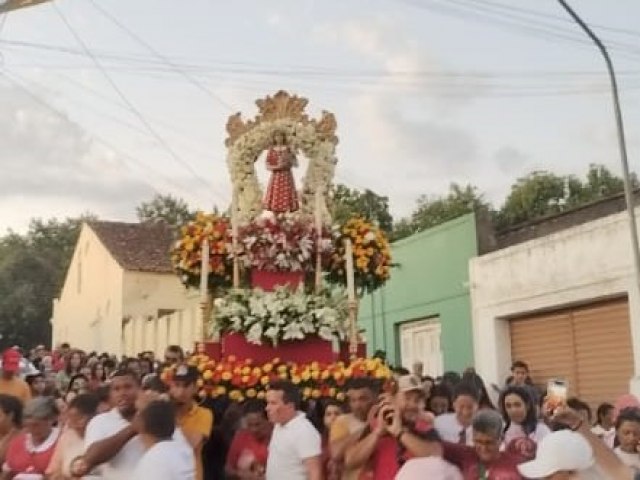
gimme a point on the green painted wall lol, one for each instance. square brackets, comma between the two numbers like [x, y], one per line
[430, 281]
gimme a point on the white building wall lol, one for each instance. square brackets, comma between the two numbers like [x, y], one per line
[146, 296]
[104, 308]
[577, 265]
[88, 313]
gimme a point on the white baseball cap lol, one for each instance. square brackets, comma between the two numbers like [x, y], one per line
[431, 467]
[559, 451]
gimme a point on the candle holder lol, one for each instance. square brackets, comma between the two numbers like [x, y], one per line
[353, 329]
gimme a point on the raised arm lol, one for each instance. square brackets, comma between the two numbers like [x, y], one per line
[606, 459]
[102, 451]
[417, 446]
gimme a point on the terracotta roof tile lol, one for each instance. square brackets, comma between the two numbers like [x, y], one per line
[142, 247]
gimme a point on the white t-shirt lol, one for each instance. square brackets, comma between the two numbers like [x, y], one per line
[449, 429]
[290, 445]
[105, 425]
[121, 466]
[166, 460]
[515, 431]
[629, 459]
[607, 436]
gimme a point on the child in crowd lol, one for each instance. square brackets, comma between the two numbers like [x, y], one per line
[605, 427]
[628, 437]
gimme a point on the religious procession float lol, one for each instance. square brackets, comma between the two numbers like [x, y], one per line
[279, 280]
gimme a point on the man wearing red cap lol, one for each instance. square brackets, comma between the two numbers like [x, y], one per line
[10, 383]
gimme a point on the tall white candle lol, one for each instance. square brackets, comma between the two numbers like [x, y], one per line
[234, 239]
[348, 256]
[204, 271]
[318, 213]
[234, 217]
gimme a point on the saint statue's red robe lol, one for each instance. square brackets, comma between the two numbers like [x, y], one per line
[281, 193]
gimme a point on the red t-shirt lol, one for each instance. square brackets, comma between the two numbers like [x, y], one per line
[466, 458]
[24, 458]
[245, 444]
[384, 462]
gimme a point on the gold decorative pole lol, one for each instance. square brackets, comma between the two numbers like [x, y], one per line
[234, 239]
[351, 295]
[204, 288]
[318, 222]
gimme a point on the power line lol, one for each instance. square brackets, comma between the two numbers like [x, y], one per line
[129, 104]
[35, 97]
[161, 57]
[102, 115]
[536, 13]
[248, 68]
[435, 88]
[514, 22]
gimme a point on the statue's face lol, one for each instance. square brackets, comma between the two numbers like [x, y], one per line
[279, 138]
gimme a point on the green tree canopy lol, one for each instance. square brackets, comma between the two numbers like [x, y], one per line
[543, 193]
[167, 208]
[347, 202]
[435, 210]
[32, 270]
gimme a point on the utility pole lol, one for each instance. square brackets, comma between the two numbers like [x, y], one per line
[9, 5]
[622, 145]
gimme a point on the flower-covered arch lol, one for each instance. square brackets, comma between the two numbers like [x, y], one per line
[316, 139]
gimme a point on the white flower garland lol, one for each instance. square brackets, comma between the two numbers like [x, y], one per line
[283, 315]
[244, 152]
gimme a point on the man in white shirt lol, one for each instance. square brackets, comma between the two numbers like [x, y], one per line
[112, 444]
[165, 458]
[111, 441]
[295, 448]
[456, 427]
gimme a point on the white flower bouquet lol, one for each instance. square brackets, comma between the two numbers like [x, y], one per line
[283, 315]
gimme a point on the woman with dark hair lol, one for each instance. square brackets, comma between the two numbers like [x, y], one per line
[520, 416]
[330, 410]
[248, 452]
[605, 427]
[72, 365]
[439, 402]
[470, 377]
[98, 376]
[10, 422]
[78, 384]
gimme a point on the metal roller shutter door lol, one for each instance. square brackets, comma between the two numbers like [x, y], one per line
[590, 346]
[604, 355]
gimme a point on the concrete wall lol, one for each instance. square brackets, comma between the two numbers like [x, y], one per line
[88, 313]
[578, 265]
[431, 281]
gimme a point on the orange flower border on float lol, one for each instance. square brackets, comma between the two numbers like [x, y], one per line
[242, 379]
[371, 255]
[186, 254]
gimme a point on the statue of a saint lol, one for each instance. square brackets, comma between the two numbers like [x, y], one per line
[281, 193]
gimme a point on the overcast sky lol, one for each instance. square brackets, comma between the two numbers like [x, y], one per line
[425, 92]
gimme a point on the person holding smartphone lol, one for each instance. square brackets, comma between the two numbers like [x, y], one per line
[398, 429]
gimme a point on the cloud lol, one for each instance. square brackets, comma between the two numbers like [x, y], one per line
[45, 157]
[510, 160]
[423, 145]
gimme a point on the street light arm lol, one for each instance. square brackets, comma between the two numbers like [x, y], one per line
[622, 145]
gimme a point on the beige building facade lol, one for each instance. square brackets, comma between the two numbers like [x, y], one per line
[121, 295]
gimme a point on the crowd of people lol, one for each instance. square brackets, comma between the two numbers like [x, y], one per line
[68, 414]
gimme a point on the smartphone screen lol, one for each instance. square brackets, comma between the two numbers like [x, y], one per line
[557, 390]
